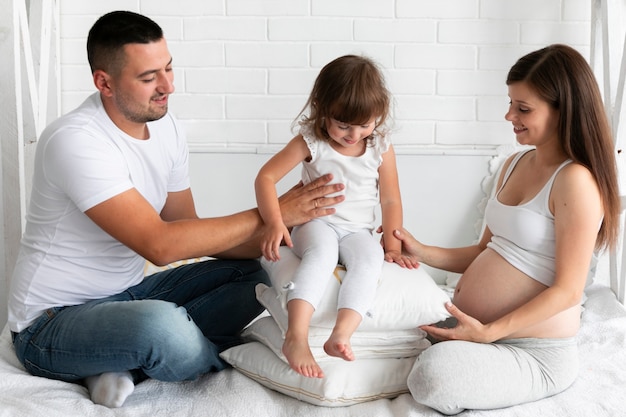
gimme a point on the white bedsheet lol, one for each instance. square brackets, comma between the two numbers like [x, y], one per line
[600, 389]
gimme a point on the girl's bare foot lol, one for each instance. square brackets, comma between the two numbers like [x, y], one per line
[301, 359]
[337, 346]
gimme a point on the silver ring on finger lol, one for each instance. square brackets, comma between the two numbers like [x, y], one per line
[315, 203]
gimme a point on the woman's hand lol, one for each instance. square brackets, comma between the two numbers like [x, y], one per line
[467, 328]
[411, 246]
[411, 249]
[303, 203]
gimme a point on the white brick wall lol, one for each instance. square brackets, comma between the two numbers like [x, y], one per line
[244, 68]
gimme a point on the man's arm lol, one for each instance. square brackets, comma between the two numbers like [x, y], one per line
[172, 236]
[178, 206]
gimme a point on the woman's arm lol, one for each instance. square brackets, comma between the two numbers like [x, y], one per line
[448, 259]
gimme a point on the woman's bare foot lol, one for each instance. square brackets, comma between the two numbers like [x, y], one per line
[339, 347]
[301, 359]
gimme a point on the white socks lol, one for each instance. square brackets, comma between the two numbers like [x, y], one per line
[110, 388]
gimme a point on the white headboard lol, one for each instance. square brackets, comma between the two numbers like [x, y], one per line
[441, 191]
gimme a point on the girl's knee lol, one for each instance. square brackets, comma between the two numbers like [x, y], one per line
[363, 263]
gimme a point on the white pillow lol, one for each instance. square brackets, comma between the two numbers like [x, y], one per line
[149, 268]
[345, 383]
[405, 298]
[393, 344]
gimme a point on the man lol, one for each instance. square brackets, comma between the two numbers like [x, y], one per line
[111, 189]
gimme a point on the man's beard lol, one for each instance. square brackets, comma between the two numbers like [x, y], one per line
[132, 113]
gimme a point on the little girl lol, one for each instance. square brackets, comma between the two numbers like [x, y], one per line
[344, 134]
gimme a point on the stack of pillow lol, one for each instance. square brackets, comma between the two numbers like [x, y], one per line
[385, 345]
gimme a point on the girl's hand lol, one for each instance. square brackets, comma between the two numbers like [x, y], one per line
[405, 261]
[467, 328]
[272, 239]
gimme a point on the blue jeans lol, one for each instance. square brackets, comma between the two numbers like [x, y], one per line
[170, 327]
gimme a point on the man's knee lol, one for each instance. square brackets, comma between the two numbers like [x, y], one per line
[159, 321]
[176, 348]
[261, 277]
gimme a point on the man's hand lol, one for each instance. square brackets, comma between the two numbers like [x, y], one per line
[307, 202]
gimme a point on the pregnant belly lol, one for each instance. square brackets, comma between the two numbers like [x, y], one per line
[490, 288]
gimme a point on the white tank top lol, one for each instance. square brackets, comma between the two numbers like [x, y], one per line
[359, 174]
[524, 235]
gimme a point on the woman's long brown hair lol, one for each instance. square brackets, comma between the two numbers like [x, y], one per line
[564, 79]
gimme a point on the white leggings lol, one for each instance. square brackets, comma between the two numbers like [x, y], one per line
[457, 375]
[320, 246]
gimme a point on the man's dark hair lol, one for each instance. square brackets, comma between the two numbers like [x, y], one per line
[111, 32]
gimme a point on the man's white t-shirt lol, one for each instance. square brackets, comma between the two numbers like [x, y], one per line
[83, 159]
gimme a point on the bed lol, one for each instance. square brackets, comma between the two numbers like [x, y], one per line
[600, 389]
[260, 383]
